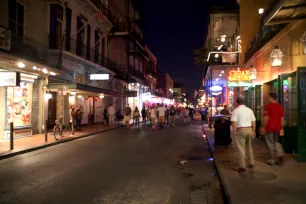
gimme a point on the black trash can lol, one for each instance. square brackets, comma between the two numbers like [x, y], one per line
[222, 125]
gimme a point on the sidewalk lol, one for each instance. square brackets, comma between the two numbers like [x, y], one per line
[264, 183]
[35, 142]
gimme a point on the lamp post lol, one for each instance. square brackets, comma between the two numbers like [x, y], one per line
[276, 57]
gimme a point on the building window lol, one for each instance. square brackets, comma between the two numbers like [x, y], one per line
[56, 26]
[98, 44]
[16, 19]
[83, 37]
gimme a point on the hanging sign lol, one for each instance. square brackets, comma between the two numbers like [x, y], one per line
[10, 79]
[99, 76]
[239, 75]
[216, 90]
[229, 58]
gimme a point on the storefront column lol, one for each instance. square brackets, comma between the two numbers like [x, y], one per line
[2, 112]
[44, 108]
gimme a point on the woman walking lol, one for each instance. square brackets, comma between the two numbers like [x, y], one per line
[144, 114]
[148, 111]
[136, 116]
[153, 117]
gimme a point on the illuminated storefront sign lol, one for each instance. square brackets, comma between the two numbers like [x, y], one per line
[10, 79]
[239, 75]
[238, 84]
[99, 76]
[216, 90]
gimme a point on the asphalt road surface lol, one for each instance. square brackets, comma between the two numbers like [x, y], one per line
[135, 166]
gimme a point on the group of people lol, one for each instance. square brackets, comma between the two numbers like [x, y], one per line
[244, 128]
[158, 115]
[76, 114]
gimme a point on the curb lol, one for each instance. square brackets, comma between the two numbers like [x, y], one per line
[32, 149]
[221, 176]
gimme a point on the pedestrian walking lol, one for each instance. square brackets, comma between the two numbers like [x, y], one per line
[153, 117]
[136, 116]
[78, 117]
[244, 126]
[71, 116]
[167, 115]
[211, 112]
[186, 113]
[144, 114]
[225, 111]
[273, 128]
[161, 115]
[148, 114]
[172, 115]
[127, 116]
[111, 114]
[105, 114]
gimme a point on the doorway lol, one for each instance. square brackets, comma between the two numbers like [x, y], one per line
[91, 110]
[52, 110]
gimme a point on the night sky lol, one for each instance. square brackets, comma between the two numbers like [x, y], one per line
[173, 29]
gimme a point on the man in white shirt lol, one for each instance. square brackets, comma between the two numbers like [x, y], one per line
[211, 112]
[161, 115]
[244, 125]
[111, 114]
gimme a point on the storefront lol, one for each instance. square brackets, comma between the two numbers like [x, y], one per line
[17, 107]
[23, 95]
[92, 100]
[142, 98]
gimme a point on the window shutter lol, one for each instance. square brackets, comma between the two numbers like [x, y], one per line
[52, 34]
[88, 41]
[68, 28]
[103, 45]
[79, 44]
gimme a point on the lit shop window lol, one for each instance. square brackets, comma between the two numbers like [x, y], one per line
[19, 104]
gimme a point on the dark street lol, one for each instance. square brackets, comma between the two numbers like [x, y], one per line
[172, 165]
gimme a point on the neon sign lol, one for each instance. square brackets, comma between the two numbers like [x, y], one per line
[239, 75]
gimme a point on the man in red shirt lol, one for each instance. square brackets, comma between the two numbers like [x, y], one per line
[273, 127]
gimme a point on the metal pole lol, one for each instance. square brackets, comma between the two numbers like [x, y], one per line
[72, 126]
[11, 135]
[46, 130]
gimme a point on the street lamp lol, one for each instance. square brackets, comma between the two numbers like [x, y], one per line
[276, 57]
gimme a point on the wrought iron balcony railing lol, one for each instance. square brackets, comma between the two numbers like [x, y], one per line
[134, 70]
[29, 49]
[106, 11]
[263, 37]
[124, 27]
[78, 48]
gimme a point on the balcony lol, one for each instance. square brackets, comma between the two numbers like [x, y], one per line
[83, 51]
[106, 11]
[263, 37]
[134, 72]
[125, 29]
[131, 71]
[29, 49]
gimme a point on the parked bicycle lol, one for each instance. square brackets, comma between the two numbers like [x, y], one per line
[59, 130]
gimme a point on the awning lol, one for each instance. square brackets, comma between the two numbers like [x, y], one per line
[10, 62]
[81, 88]
[285, 11]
